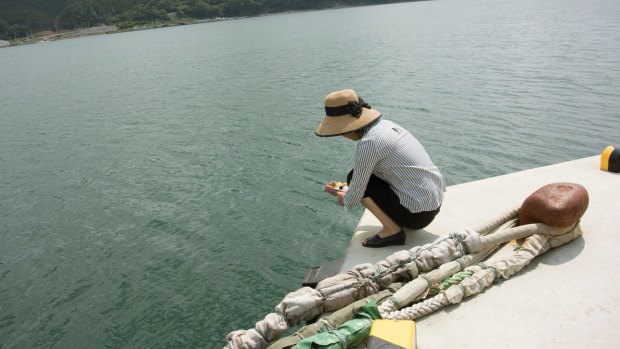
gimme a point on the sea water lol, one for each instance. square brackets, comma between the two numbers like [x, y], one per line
[161, 188]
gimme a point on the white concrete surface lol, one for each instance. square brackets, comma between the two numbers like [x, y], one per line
[567, 298]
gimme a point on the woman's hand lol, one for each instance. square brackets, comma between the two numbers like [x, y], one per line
[340, 196]
[331, 188]
[334, 188]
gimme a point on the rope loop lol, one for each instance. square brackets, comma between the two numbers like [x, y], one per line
[429, 280]
[323, 298]
[341, 338]
[377, 274]
[496, 276]
[574, 226]
[459, 242]
[493, 269]
[455, 236]
[395, 302]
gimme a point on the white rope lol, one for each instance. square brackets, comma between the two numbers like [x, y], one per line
[359, 282]
[483, 277]
[497, 221]
[419, 288]
[418, 310]
[439, 260]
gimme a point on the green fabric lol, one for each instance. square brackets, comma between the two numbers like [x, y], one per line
[334, 319]
[349, 334]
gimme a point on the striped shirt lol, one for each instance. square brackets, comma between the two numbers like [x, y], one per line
[393, 154]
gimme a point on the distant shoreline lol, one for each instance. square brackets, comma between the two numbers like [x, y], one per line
[113, 29]
[106, 29]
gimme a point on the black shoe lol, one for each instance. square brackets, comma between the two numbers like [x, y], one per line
[376, 241]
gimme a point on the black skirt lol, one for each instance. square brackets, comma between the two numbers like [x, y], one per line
[381, 193]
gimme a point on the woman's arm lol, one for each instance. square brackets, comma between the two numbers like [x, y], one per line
[366, 157]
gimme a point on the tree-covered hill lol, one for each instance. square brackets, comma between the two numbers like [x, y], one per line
[19, 18]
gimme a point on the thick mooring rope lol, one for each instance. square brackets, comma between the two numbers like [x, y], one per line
[335, 292]
[424, 265]
[475, 279]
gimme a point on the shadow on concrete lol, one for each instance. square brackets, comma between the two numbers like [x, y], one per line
[414, 237]
[419, 237]
[564, 253]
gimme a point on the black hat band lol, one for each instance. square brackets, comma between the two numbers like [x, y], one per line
[353, 108]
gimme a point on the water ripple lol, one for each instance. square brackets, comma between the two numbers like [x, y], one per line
[167, 197]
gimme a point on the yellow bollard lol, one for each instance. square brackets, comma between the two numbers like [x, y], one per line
[392, 334]
[610, 159]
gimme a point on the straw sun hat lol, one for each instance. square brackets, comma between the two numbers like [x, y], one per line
[345, 112]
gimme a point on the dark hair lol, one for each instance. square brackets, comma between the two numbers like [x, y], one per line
[363, 130]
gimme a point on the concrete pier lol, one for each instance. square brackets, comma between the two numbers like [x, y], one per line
[566, 298]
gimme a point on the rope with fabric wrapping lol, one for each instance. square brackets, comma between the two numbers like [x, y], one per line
[363, 280]
[441, 273]
[452, 290]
